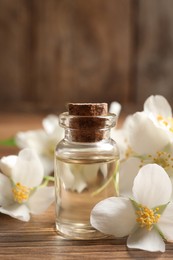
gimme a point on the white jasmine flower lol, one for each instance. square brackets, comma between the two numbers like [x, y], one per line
[121, 137]
[146, 218]
[7, 163]
[78, 177]
[20, 186]
[115, 108]
[146, 143]
[118, 134]
[159, 111]
[43, 141]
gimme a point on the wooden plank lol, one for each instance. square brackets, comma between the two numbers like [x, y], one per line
[38, 239]
[155, 49]
[84, 51]
[53, 52]
[13, 52]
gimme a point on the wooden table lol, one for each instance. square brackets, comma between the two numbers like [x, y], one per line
[37, 239]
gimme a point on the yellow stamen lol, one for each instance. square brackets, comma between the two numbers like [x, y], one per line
[167, 122]
[129, 152]
[21, 193]
[147, 217]
[159, 117]
[162, 158]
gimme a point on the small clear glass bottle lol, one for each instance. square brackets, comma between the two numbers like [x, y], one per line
[85, 163]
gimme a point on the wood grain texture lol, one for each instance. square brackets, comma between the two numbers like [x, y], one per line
[155, 49]
[14, 48]
[37, 239]
[54, 52]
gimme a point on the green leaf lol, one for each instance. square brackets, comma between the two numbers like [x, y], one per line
[8, 142]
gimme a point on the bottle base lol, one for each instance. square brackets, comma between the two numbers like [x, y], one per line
[79, 231]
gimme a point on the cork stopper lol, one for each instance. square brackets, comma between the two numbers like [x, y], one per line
[88, 109]
[87, 124]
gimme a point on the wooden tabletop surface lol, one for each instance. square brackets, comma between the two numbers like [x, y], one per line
[37, 239]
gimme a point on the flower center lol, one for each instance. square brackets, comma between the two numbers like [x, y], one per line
[147, 217]
[129, 152]
[162, 158]
[21, 193]
[167, 122]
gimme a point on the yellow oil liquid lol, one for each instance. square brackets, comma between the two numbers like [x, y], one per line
[80, 185]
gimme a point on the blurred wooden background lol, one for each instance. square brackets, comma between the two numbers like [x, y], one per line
[58, 51]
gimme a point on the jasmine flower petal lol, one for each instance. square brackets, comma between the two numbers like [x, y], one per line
[41, 199]
[89, 172]
[143, 135]
[114, 216]
[157, 105]
[115, 108]
[32, 139]
[7, 163]
[20, 212]
[28, 169]
[79, 184]
[128, 171]
[165, 223]
[6, 196]
[104, 169]
[66, 175]
[152, 186]
[50, 124]
[47, 164]
[146, 240]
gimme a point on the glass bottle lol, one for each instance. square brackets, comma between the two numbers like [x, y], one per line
[85, 163]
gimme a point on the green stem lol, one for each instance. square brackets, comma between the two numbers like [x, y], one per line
[113, 177]
[8, 142]
[102, 187]
[46, 180]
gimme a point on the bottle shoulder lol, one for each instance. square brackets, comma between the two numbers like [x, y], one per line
[86, 145]
[102, 149]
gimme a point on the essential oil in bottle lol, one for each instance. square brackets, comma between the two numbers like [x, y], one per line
[85, 164]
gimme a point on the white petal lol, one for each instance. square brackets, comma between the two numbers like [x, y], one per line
[48, 164]
[128, 171]
[79, 184]
[171, 178]
[50, 123]
[28, 169]
[7, 163]
[157, 105]
[165, 223]
[54, 132]
[89, 172]
[41, 199]
[64, 173]
[143, 135]
[115, 108]
[104, 170]
[146, 240]
[32, 139]
[114, 216]
[6, 196]
[20, 212]
[119, 135]
[152, 186]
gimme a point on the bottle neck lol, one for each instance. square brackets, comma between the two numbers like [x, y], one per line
[87, 129]
[87, 135]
